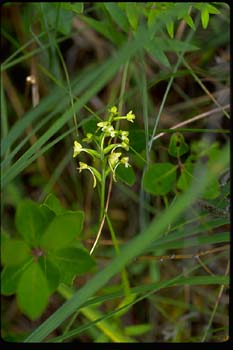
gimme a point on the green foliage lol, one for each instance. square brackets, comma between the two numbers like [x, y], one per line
[45, 256]
[130, 55]
[177, 145]
[159, 178]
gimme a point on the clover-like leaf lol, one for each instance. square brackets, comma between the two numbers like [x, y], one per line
[126, 174]
[33, 291]
[31, 221]
[10, 277]
[51, 272]
[177, 145]
[159, 178]
[72, 261]
[14, 252]
[62, 230]
[53, 203]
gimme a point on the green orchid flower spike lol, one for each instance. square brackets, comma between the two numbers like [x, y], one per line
[109, 146]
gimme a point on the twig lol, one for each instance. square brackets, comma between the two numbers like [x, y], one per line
[191, 120]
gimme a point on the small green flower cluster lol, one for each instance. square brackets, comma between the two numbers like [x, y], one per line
[104, 138]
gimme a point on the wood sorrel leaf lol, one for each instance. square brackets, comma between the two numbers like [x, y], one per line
[31, 221]
[159, 178]
[126, 175]
[10, 277]
[177, 145]
[72, 261]
[62, 230]
[51, 273]
[14, 252]
[53, 203]
[33, 291]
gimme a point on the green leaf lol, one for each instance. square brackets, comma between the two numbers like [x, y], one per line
[105, 29]
[212, 190]
[76, 7]
[212, 9]
[186, 177]
[10, 277]
[62, 230]
[159, 178]
[14, 252]
[31, 221]
[138, 329]
[177, 145]
[188, 19]
[204, 17]
[126, 175]
[155, 49]
[137, 139]
[132, 14]
[33, 292]
[51, 273]
[170, 28]
[57, 17]
[72, 262]
[173, 45]
[53, 203]
[117, 14]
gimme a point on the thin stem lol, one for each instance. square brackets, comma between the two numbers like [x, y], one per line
[103, 218]
[216, 305]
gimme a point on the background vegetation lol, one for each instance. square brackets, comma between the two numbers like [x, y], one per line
[159, 272]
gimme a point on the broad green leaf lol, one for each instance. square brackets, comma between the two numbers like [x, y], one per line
[31, 221]
[72, 262]
[186, 176]
[177, 145]
[132, 14]
[14, 252]
[126, 175]
[33, 292]
[117, 14]
[137, 139]
[51, 273]
[10, 277]
[53, 203]
[159, 178]
[62, 230]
